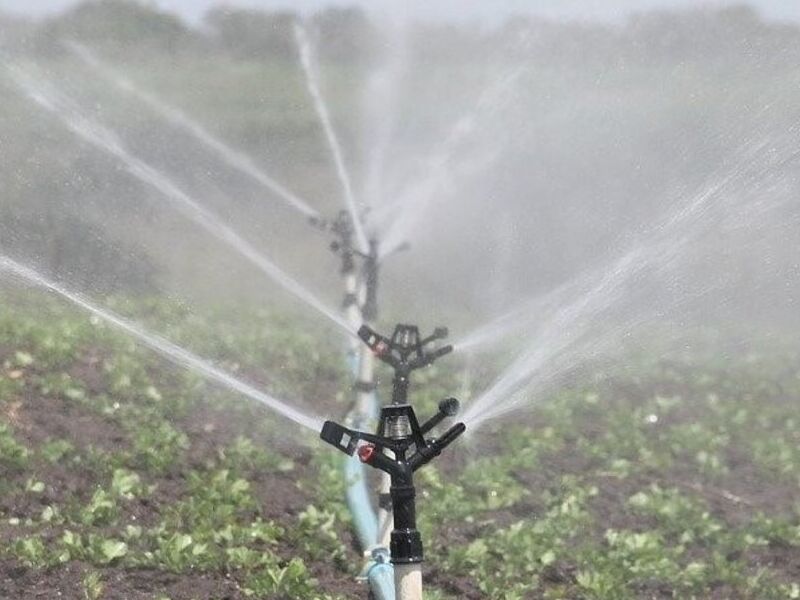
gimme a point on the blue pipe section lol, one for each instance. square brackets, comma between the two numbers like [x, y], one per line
[358, 501]
[378, 571]
[380, 575]
[356, 490]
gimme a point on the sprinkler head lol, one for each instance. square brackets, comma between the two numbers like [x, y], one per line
[342, 228]
[398, 431]
[405, 352]
[411, 451]
[405, 349]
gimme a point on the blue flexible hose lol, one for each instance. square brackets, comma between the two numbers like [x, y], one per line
[379, 571]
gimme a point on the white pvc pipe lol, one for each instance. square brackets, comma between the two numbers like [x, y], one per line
[385, 517]
[352, 310]
[408, 582]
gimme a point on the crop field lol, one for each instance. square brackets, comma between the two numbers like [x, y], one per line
[123, 477]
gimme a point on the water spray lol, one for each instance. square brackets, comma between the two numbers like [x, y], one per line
[176, 117]
[169, 350]
[400, 433]
[103, 138]
[310, 71]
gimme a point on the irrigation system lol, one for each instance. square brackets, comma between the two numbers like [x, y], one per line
[391, 543]
[388, 438]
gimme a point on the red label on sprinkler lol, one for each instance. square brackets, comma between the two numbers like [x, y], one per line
[366, 452]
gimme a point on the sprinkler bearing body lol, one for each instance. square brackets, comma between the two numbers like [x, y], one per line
[400, 434]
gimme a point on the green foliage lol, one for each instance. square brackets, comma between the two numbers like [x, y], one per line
[244, 455]
[680, 516]
[93, 586]
[13, 455]
[291, 581]
[55, 451]
[319, 536]
[127, 22]
[101, 509]
[158, 446]
[512, 559]
[593, 499]
[31, 551]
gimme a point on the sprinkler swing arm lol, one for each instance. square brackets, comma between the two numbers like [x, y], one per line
[400, 433]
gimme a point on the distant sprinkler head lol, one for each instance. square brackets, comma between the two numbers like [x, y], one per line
[405, 351]
[377, 343]
[317, 222]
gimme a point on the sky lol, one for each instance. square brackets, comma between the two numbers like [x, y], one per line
[472, 10]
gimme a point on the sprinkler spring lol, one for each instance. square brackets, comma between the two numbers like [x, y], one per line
[406, 543]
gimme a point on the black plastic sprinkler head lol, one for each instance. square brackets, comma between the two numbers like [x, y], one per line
[318, 222]
[404, 352]
[400, 433]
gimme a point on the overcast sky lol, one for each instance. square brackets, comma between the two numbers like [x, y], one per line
[484, 10]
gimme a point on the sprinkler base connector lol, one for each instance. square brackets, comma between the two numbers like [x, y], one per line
[406, 547]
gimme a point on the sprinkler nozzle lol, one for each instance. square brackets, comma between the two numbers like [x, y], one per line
[449, 406]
